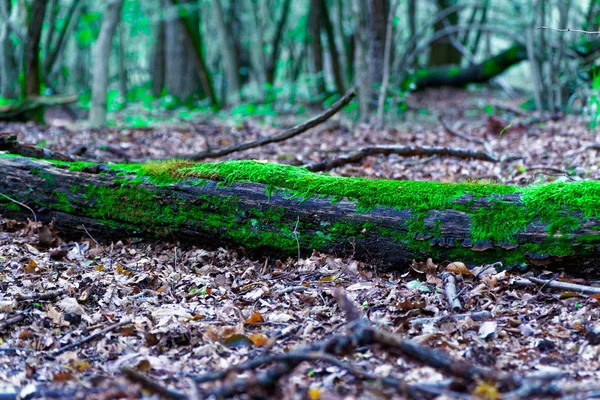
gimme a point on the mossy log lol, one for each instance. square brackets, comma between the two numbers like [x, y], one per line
[282, 209]
[22, 111]
[454, 76]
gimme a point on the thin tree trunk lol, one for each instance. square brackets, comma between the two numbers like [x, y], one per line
[389, 38]
[100, 70]
[338, 71]
[376, 18]
[8, 65]
[362, 82]
[122, 63]
[316, 49]
[259, 56]
[157, 71]
[230, 61]
[483, 20]
[276, 43]
[534, 65]
[50, 62]
[345, 56]
[32, 79]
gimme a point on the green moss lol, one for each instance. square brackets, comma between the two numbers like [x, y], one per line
[496, 213]
[491, 68]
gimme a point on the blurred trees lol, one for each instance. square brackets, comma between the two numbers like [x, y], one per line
[220, 52]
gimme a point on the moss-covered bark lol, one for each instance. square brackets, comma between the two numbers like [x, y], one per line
[277, 207]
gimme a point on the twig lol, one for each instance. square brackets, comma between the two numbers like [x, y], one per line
[11, 321]
[41, 296]
[450, 287]
[594, 146]
[287, 134]
[89, 337]
[463, 136]
[292, 289]
[573, 287]
[475, 316]
[151, 386]
[21, 204]
[589, 33]
[406, 151]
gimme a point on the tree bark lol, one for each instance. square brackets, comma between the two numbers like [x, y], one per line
[157, 71]
[276, 43]
[376, 23]
[339, 75]
[32, 73]
[192, 34]
[442, 52]
[8, 65]
[264, 213]
[230, 60]
[315, 46]
[100, 71]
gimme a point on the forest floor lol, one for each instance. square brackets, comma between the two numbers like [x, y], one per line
[137, 318]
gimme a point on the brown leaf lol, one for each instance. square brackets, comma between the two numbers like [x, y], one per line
[258, 339]
[255, 318]
[458, 268]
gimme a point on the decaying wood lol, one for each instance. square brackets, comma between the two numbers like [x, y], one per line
[280, 137]
[9, 143]
[554, 284]
[357, 156]
[239, 214]
[89, 338]
[451, 293]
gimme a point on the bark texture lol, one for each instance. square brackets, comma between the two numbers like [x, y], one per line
[125, 201]
[101, 62]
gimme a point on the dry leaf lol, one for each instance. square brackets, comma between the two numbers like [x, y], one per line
[458, 268]
[255, 318]
[70, 305]
[258, 339]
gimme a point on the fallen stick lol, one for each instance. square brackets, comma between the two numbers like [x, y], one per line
[572, 287]
[405, 151]
[285, 135]
[11, 321]
[89, 337]
[451, 293]
[9, 143]
[463, 136]
[41, 296]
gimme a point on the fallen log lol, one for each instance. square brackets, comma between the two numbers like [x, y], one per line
[285, 209]
[22, 110]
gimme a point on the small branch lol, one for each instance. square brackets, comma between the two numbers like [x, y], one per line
[405, 151]
[572, 287]
[11, 321]
[285, 135]
[150, 385]
[451, 293]
[589, 33]
[41, 296]
[21, 204]
[89, 337]
[463, 136]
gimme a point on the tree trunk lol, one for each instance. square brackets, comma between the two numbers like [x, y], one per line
[257, 205]
[31, 80]
[339, 74]
[359, 61]
[54, 53]
[191, 33]
[8, 65]
[230, 60]
[376, 23]
[100, 70]
[276, 43]
[181, 78]
[315, 47]
[442, 52]
[159, 60]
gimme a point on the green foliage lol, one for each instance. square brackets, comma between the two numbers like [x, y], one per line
[593, 100]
